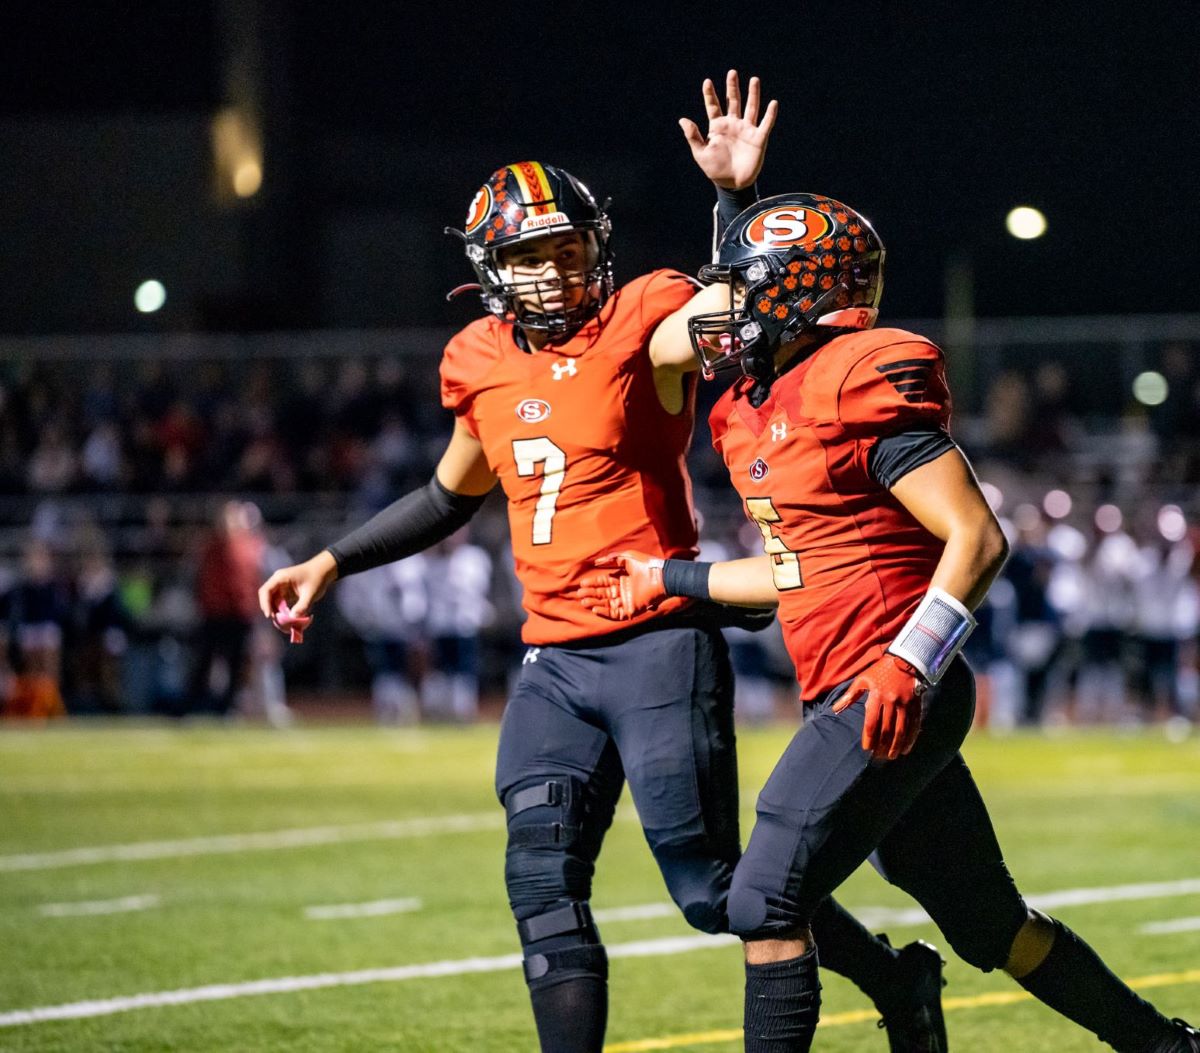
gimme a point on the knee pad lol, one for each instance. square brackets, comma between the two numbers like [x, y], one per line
[561, 944]
[984, 939]
[549, 857]
[748, 914]
[698, 882]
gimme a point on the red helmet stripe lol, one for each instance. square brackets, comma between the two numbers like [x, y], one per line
[535, 187]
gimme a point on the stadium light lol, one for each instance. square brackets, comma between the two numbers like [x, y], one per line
[993, 495]
[149, 296]
[1025, 222]
[1150, 388]
[247, 178]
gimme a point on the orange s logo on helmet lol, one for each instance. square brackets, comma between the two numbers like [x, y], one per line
[784, 227]
[481, 205]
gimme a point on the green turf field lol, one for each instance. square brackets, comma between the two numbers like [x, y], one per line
[343, 817]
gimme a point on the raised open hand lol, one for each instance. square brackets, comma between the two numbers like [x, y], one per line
[732, 153]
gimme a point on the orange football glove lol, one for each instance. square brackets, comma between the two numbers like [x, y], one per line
[893, 691]
[630, 585]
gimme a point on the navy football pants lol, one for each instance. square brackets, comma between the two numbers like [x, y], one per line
[828, 806]
[654, 709]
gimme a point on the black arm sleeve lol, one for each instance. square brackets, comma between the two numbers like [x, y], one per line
[730, 205]
[894, 456]
[416, 521]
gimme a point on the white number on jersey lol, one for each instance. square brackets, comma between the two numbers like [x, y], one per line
[785, 564]
[529, 453]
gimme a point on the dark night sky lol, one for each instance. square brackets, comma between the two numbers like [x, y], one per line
[932, 118]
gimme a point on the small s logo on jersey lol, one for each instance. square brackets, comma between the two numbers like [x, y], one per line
[758, 470]
[783, 227]
[481, 205]
[532, 411]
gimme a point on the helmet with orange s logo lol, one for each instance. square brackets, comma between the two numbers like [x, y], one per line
[793, 263]
[517, 204]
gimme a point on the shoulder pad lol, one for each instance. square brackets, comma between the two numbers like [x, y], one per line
[465, 360]
[890, 380]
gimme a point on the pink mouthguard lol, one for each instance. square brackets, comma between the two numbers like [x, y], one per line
[294, 624]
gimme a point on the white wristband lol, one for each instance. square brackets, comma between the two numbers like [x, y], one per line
[934, 634]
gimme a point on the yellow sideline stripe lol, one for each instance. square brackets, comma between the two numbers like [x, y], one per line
[858, 1016]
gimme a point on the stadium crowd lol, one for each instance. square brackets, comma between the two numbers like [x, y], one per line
[127, 574]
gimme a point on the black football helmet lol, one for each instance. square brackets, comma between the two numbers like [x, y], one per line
[794, 263]
[530, 200]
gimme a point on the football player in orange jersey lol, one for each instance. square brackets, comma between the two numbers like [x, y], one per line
[879, 544]
[556, 394]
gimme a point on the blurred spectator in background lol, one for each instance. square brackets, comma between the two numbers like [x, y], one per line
[1006, 418]
[1053, 426]
[386, 607]
[458, 584]
[227, 598]
[1109, 604]
[34, 614]
[265, 693]
[1167, 605]
[102, 630]
[1034, 639]
[1176, 420]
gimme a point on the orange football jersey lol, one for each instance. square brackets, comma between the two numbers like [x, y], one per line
[588, 458]
[850, 562]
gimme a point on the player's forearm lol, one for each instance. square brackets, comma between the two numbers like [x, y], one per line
[973, 556]
[411, 524]
[744, 582]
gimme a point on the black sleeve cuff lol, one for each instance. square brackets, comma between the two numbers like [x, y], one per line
[683, 577]
[894, 456]
[730, 205]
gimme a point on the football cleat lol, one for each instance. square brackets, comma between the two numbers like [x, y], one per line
[1186, 1041]
[915, 1024]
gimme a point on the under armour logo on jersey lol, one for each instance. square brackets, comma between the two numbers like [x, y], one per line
[778, 431]
[910, 377]
[564, 369]
[531, 656]
[758, 470]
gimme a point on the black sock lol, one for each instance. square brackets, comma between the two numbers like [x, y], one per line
[571, 1015]
[851, 951]
[783, 1002]
[1074, 981]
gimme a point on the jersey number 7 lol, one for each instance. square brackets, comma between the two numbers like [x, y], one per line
[529, 453]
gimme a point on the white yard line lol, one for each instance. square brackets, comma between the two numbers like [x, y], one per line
[375, 909]
[876, 916]
[287, 984]
[641, 912]
[462, 966]
[98, 906]
[221, 844]
[1070, 897]
[1164, 928]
